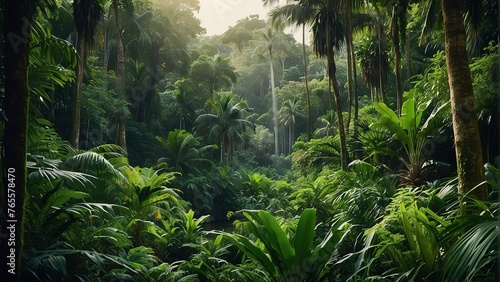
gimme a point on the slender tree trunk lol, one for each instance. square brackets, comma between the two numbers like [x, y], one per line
[465, 128]
[306, 80]
[354, 83]
[16, 35]
[408, 57]
[120, 76]
[75, 124]
[348, 37]
[275, 103]
[338, 104]
[397, 60]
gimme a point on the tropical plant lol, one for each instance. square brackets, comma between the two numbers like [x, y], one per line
[148, 199]
[315, 155]
[314, 194]
[285, 258]
[86, 15]
[327, 122]
[270, 38]
[227, 124]
[183, 152]
[289, 113]
[216, 72]
[408, 130]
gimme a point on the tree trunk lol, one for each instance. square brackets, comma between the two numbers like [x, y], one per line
[75, 125]
[465, 128]
[275, 102]
[120, 76]
[306, 80]
[338, 104]
[16, 34]
[397, 60]
[348, 37]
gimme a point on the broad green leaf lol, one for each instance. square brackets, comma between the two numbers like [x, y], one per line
[277, 237]
[407, 119]
[386, 111]
[408, 229]
[304, 236]
[254, 252]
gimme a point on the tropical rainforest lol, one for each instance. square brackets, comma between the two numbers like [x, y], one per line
[137, 148]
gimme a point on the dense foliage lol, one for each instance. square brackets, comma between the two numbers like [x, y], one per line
[224, 177]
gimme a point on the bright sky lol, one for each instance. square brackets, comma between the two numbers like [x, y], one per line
[218, 15]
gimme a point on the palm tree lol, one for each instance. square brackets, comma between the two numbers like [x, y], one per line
[289, 113]
[328, 34]
[215, 71]
[182, 151]
[327, 122]
[120, 73]
[374, 66]
[269, 39]
[465, 127]
[227, 123]
[293, 13]
[86, 15]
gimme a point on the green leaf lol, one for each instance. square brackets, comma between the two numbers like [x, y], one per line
[304, 236]
[386, 111]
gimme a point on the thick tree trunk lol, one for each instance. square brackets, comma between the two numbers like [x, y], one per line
[120, 76]
[465, 128]
[16, 36]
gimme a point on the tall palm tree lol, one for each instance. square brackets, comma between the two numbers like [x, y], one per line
[466, 132]
[293, 13]
[120, 72]
[289, 113]
[227, 123]
[328, 33]
[86, 15]
[328, 36]
[269, 39]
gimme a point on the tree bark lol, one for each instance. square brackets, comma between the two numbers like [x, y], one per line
[350, 89]
[306, 80]
[336, 95]
[16, 34]
[120, 76]
[465, 127]
[275, 102]
[75, 124]
[397, 59]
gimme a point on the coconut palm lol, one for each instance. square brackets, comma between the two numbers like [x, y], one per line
[226, 125]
